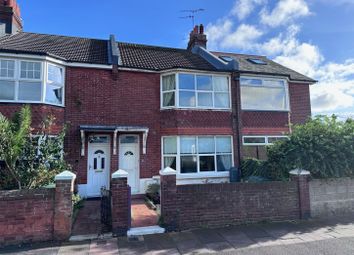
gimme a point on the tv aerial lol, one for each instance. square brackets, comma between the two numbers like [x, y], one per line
[192, 14]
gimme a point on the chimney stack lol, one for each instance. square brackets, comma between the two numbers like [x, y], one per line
[197, 37]
[10, 17]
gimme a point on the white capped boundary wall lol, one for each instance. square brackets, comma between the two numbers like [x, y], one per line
[331, 197]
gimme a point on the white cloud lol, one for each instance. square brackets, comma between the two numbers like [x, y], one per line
[242, 8]
[285, 12]
[335, 91]
[243, 37]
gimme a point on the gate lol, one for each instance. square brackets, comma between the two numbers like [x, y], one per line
[106, 212]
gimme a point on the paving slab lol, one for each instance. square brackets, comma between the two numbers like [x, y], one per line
[188, 243]
[46, 248]
[235, 237]
[159, 242]
[77, 248]
[108, 247]
[208, 235]
[131, 247]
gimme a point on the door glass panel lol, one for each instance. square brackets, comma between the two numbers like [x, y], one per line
[94, 163]
[129, 139]
[98, 139]
[102, 163]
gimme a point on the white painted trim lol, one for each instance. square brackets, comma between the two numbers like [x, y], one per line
[145, 231]
[66, 175]
[90, 147]
[120, 174]
[198, 173]
[266, 141]
[299, 172]
[263, 77]
[168, 171]
[196, 91]
[137, 176]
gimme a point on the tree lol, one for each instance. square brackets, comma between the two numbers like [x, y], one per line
[324, 146]
[30, 160]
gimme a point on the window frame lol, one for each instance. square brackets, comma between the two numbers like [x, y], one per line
[196, 92]
[266, 78]
[43, 81]
[198, 174]
[266, 139]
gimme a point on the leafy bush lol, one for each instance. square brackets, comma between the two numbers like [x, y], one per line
[324, 146]
[153, 192]
[251, 167]
[30, 161]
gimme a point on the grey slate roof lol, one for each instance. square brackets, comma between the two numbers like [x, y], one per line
[245, 66]
[72, 49]
[95, 51]
[160, 58]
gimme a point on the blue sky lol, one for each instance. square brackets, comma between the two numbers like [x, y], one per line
[314, 37]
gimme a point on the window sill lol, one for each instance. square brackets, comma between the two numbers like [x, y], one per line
[29, 102]
[196, 109]
[255, 110]
[203, 175]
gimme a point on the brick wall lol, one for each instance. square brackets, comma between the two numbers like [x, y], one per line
[231, 203]
[37, 215]
[331, 198]
[26, 215]
[220, 204]
[300, 102]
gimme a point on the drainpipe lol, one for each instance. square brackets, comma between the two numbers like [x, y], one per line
[236, 118]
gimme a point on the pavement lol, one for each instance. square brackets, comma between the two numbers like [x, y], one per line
[331, 236]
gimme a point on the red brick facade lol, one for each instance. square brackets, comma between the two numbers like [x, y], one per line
[131, 98]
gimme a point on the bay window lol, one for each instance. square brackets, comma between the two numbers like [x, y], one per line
[264, 94]
[27, 81]
[197, 154]
[187, 90]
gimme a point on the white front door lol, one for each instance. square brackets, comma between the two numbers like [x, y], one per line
[98, 165]
[129, 159]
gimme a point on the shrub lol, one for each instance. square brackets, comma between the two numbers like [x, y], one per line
[324, 146]
[251, 167]
[30, 161]
[153, 192]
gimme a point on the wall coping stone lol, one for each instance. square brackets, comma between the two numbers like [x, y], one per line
[66, 175]
[168, 171]
[299, 172]
[119, 174]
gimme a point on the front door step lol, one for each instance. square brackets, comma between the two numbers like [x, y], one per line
[145, 231]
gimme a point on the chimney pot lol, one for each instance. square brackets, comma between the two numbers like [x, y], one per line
[197, 38]
[201, 29]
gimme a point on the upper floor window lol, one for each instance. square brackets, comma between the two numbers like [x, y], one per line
[264, 94]
[262, 140]
[186, 90]
[28, 81]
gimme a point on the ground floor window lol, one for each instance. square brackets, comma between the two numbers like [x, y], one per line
[197, 154]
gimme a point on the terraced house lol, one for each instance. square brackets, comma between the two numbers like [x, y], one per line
[142, 108]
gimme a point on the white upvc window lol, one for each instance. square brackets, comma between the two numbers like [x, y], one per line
[31, 81]
[197, 154]
[256, 140]
[264, 94]
[195, 91]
